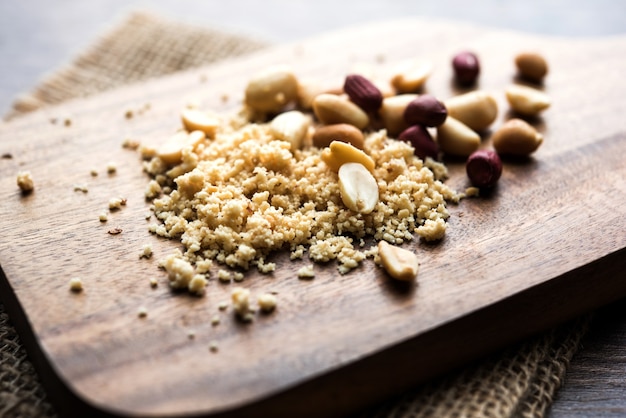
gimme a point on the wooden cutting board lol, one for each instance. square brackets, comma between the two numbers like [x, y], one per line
[549, 243]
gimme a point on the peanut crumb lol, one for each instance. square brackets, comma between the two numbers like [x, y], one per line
[472, 192]
[129, 143]
[103, 217]
[146, 251]
[191, 334]
[213, 347]
[306, 272]
[111, 168]
[67, 122]
[25, 181]
[128, 114]
[223, 305]
[76, 284]
[142, 312]
[224, 276]
[115, 231]
[154, 283]
[81, 188]
[241, 301]
[93, 172]
[267, 302]
[116, 203]
[238, 276]
[215, 320]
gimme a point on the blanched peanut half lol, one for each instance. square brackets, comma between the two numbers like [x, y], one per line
[171, 152]
[358, 188]
[516, 137]
[292, 127]
[410, 76]
[476, 109]
[197, 120]
[399, 263]
[527, 100]
[331, 108]
[392, 113]
[343, 132]
[271, 90]
[456, 138]
[339, 153]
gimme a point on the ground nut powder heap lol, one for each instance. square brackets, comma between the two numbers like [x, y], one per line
[244, 194]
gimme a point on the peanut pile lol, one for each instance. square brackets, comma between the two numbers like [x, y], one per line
[304, 170]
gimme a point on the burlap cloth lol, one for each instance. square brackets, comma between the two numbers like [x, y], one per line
[518, 382]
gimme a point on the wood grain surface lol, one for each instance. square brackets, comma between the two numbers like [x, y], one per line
[548, 244]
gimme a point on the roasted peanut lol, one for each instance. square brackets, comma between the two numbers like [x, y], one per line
[531, 66]
[339, 153]
[516, 137]
[392, 113]
[363, 92]
[466, 68]
[358, 188]
[484, 168]
[292, 127]
[422, 142]
[410, 76]
[425, 110]
[476, 109]
[331, 109]
[271, 90]
[456, 138]
[171, 152]
[399, 263]
[197, 120]
[343, 132]
[527, 100]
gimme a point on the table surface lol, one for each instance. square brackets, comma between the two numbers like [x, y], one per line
[37, 37]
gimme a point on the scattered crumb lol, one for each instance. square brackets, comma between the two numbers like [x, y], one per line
[306, 272]
[147, 216]
[191, 334]
[116, 203]
[224, 275]
[213, 346]
[267, 302]
[154, 283]
[142, 312]
[111, 168]
[146, 251]
[93, 172]
[128, 114]
[153, 189]
[25, 181]
[238, 276]
[215, 321]
[197, 285]
[67, 122]
[103, 217]
[130, 143]
[76, 284]
[241, 301]
[225, 97]
[81, 188]
[472, 192]
[115, 231]
[223, 305]
[7, 156]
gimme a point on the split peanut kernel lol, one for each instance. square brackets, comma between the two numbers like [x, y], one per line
[331, 109]
[292, 127]
[392, 113]
[476, 109]
[410, 76]
[171, 152]
[456, 138]
[197, 120]
[339, 153]
[271, 90]
[516, 137]
[358, 188]
[343, 132]
[399, 263]
[527, 100]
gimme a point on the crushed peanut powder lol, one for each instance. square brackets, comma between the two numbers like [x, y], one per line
[243, 195]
